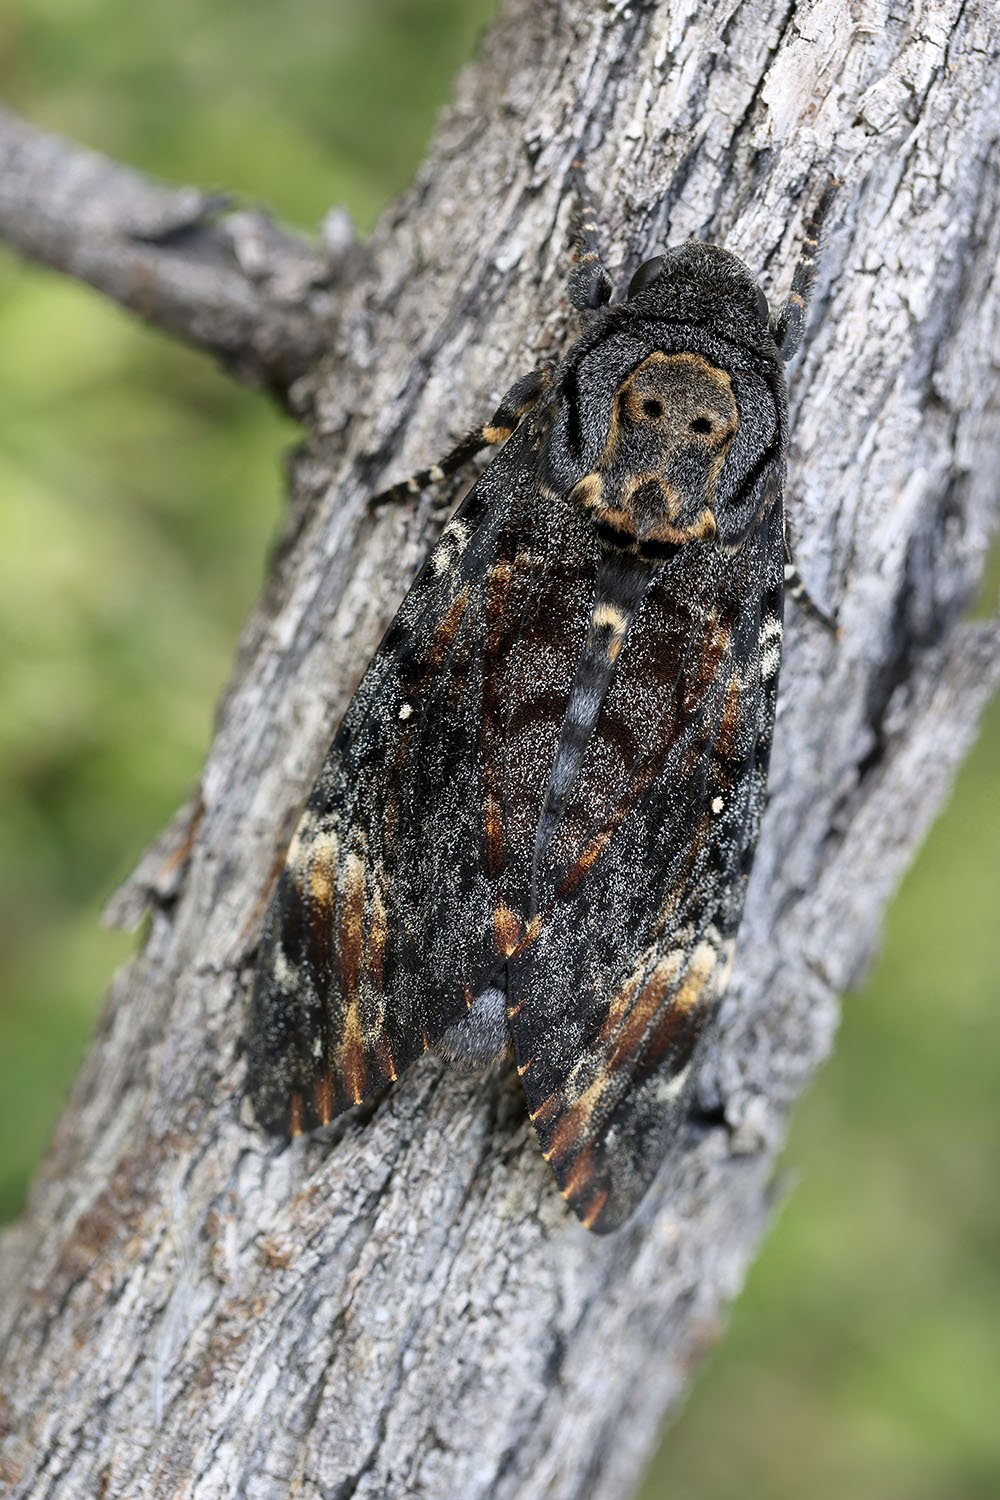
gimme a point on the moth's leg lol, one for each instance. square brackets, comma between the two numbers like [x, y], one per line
[796, 589]
[788, 323]
[482, 1037]
[522, 396]
[589, 282]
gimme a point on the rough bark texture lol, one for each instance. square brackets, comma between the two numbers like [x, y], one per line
[411, 1311]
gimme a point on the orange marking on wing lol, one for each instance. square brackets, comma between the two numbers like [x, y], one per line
[583, 862]
[296, 1118]
[351, 937]
[582, 1174]
[494, 838]
[446, 632]
[589, 1219]
[321, 885]
[714, 646]
[529, 934]
[688, 999]
[506, 930]
[312, 862]
[378, 937]
[648, 1001]
[386, 1061]
[576, 1120]
[545, 1111]
[351, 1057]
[619, 1005]
[497, 587]
[323, 1097]
[729, 726]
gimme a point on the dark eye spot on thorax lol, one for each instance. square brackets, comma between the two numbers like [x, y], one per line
[681, 394]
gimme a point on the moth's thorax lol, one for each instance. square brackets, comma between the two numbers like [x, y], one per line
[672, 422]
[670, 409]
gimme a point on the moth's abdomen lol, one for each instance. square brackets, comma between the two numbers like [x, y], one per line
[620, 584]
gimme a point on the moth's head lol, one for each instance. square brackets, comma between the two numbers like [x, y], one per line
[700, 271]
[672, 407]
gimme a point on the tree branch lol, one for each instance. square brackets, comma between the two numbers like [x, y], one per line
[409, 1310]
[228, 281]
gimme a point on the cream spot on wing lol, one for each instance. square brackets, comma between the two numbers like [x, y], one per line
[669, 1089]
[323, 855]
[299, 849]
[453, 542]
[405, 710]
[770, 659]
[325, 848]
[770, 646]
[717, 805]
[285, 973]
[457, 532]
[699, 971]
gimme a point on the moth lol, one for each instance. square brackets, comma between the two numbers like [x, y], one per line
[535, 824]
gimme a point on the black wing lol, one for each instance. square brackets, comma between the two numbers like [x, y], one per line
[645, 879]
[407, 879]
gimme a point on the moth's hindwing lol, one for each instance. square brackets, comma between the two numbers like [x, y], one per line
[549, 784]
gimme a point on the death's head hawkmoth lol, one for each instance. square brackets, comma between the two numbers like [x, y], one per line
[536, 821]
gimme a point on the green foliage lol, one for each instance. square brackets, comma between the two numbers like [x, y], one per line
[299, 106]
[138, 491]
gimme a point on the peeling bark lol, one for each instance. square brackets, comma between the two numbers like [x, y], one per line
[411, 1311]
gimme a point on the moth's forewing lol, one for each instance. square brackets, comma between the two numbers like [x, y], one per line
[400, 898]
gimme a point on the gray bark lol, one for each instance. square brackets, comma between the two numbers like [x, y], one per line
[227, 279]
[410, 1311]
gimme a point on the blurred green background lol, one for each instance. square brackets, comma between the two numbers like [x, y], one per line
[138, 493]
